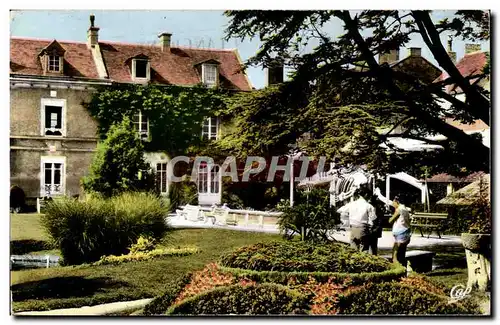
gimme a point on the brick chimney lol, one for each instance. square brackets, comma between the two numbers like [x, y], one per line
[391, 57]
[275, 73]
[470, 48]
[414, 51]
[92, 33]
[453, 55]
[164, 42]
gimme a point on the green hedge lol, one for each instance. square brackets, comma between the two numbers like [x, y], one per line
[159, 305]
[86, 230]
[394, 273]
[398, 299]
[264, 299]
[304, 257]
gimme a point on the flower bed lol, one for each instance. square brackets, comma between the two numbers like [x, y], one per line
[219, 287]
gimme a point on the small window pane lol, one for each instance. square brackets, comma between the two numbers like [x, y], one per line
[140, 68]
[48, 173]
[57, 176]
[54, 63]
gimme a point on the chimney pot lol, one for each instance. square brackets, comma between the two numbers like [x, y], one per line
[165, 41]
[470, 48]
[415, 51]
[92, 33]
[390, 57]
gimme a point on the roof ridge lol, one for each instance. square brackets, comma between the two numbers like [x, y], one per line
[122, 43]
[179, 47]
[45, 39]
[475, 53]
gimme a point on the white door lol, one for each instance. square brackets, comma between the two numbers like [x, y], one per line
[209, 185]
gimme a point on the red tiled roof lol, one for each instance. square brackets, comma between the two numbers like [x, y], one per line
[478, 125]
[469, 65]
[174, 67]
[24, 58]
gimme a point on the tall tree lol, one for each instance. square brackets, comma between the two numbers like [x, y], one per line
[119, 165]
[342, 98]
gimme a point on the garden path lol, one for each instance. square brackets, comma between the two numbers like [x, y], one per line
[386, 242]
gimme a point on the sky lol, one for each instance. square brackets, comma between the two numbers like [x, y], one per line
[195, 28]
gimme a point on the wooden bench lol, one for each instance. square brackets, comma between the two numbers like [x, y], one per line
[418, 261]
[419, 221]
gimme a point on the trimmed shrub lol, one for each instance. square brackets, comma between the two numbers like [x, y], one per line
[311, 217]
[398, 299]
[304, 257]
[17, 199]
[146, 255]
[86, 230]
[160, 304]
[263, 299]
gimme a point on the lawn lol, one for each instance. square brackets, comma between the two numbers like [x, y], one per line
[64, 287]
[27, 235]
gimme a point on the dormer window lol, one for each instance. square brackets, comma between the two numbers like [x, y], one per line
[52, 58]
[54, 63]
[141, 68]
[210, 74]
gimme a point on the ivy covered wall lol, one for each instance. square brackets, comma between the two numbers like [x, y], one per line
[175, 113]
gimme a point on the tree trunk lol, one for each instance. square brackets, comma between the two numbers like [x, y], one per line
[478, 254]
[478, 267]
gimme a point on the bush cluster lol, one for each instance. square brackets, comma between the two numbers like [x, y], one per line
[392, 298]
[17, 199]
[182, 193]
[263, 299]
[311, 217]
[86, 230]
[303, 257]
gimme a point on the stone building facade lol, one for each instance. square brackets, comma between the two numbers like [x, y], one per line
[52, 135]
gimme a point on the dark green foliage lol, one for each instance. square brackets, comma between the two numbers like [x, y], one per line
[345, 102]
[86, 230]
[311, 217]
[160, 304]
[17, 198]
[118, 165]
[398, 299]
[264, 299]
[175, 113]
[304, 257]
[182, 193]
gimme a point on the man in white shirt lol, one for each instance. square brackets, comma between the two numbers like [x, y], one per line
[361, 218]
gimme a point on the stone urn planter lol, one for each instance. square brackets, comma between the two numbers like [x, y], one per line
[478, 254]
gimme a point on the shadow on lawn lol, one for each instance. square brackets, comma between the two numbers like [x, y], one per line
[63, 287]
[25, 246]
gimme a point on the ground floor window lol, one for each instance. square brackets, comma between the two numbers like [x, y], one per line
[53, 175]
[161, 178]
